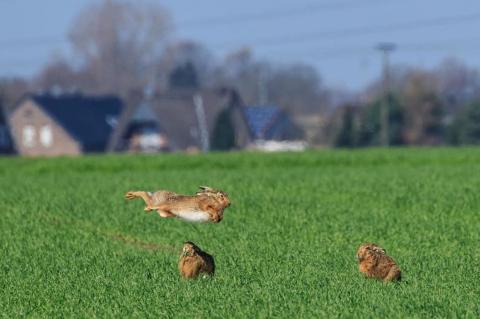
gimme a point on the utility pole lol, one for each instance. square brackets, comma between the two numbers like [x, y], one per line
[385, 48]
[262, 88]
[202, 122]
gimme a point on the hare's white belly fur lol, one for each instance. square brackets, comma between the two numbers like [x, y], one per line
[193, 215]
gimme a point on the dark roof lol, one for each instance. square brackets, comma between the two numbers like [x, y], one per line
[177, 115]
[88, 119]
[260, 119]
[6, 142]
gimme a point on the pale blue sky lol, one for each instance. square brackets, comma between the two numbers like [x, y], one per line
[336, 36]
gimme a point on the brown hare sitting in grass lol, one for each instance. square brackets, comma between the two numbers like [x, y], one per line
[375, 263]
[206, 205]
[193, 261]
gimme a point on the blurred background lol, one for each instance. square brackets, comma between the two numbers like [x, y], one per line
[82, 76]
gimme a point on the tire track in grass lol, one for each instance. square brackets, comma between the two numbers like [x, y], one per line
[112, 235]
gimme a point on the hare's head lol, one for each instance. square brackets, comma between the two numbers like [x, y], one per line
[219, 195]
[369, 250]
[190, 249]
[222, 197]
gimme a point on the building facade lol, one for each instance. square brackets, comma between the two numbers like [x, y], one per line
[54, 125]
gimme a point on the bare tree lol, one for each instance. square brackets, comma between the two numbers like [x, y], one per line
[457, 84]
[398, 77]
[58, 73]
[11, 90]
[246, 74]
[297, 88]
[118, 44]
[424, 110]
[185, 53]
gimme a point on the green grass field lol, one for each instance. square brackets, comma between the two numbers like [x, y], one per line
[71, 246]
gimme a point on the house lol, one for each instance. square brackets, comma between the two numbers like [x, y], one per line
[272, 129]
[6, 144]
[271, 123]
[185, 120]
[63, 124]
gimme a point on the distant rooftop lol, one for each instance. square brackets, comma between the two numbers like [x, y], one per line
[260, 119]
[89, 119]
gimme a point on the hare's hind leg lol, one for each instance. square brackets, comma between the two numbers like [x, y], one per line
[165, 214]
[146, 196]
[393, 275]
[163, 211]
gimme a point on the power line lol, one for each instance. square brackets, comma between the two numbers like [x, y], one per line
[32, 42]
[334, 53]
[464, 44]
[324, 53]
[293, 38]
[311, 8]
[365, 30]
[215, 21]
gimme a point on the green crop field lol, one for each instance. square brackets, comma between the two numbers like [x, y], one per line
[71, 246]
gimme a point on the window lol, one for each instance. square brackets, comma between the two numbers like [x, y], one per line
[46, 136]
[28, 136]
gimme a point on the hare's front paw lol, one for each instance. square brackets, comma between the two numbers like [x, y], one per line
[148, 209]
[216, 218]
[130, 195]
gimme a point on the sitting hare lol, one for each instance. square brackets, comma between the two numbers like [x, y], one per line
[206, 205]
[193, 261]
[375, 263]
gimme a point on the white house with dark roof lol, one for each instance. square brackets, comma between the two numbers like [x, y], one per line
[65, 124]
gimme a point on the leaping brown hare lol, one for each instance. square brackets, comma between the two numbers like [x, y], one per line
[375, 263]
[206, 205]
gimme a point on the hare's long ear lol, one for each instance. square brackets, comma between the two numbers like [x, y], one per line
[206, 188]
[379, 250]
